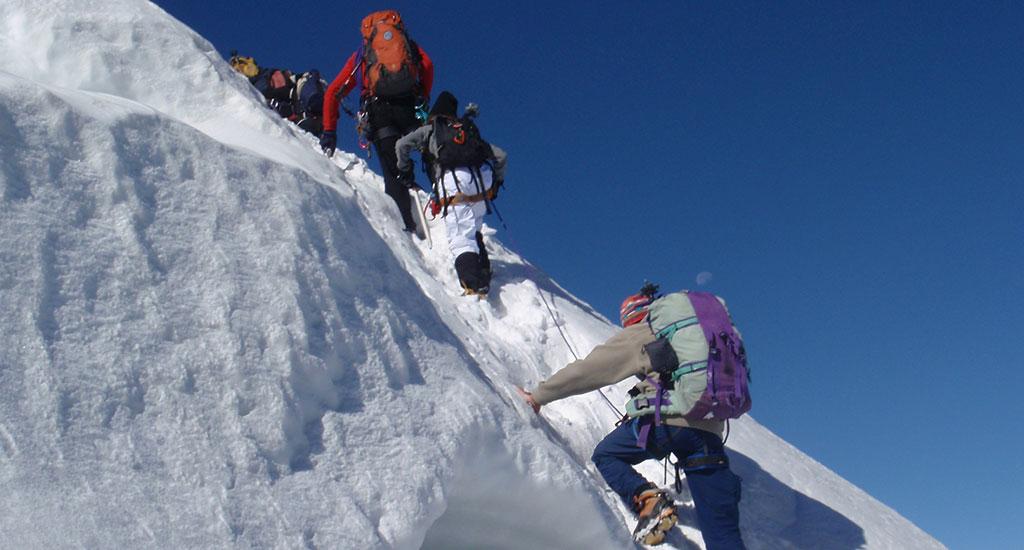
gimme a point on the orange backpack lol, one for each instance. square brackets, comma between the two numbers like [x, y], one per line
[392, 60]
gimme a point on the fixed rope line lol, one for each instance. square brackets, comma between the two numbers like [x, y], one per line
[535, 283]
[554, 319]
[618, 413]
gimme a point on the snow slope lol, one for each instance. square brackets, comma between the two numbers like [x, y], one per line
[216, 337]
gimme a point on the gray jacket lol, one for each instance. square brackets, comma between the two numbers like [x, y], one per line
[423, 137]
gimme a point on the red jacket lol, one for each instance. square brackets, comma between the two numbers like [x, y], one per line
[343, 84]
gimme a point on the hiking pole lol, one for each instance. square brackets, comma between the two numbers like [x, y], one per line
[423, 217]
[533, 278]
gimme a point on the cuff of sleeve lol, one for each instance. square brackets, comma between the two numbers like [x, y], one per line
[541, 397]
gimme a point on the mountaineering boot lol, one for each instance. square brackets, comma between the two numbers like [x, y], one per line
[657, 515]
[480, 293]
[467, 267]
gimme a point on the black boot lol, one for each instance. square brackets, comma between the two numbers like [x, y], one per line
[484, 261]
[467, 266]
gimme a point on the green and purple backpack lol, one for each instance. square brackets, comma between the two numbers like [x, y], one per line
[699, 359]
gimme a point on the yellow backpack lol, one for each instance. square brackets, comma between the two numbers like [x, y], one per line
[244, 65]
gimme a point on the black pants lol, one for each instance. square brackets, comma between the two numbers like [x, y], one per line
[391, 119]
[473, 269]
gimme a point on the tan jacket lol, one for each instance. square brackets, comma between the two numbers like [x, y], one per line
[622, 356]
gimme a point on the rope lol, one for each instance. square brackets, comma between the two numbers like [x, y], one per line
[554, 319]
[533, 278]
[618, 413]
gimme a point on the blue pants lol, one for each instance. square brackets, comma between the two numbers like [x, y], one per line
[715, 490]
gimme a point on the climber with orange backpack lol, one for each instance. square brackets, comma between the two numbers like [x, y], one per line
[395, 75]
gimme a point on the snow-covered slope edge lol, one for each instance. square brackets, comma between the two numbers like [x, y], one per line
[204, 339]
[219, 339]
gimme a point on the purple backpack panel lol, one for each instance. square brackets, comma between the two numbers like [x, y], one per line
[727, 394]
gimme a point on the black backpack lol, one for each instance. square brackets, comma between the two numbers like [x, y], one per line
[278, 87]
[310, 88]
[309, 91]
[459, 144]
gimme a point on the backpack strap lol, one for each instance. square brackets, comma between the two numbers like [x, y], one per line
[660, 398]
[460, 198]
[359, 71]
[487, 195]
[679, 479]
[439, 184]
[706, 461]
[711, 315]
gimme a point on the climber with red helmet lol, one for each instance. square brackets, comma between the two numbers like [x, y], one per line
[696, 442]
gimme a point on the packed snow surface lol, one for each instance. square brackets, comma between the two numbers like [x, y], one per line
[216, 337]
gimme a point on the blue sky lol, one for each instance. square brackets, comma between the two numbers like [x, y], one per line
[849, 173]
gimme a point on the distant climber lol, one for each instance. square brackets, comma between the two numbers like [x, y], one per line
[396, 76]
[299, 99]
[466, 173]
[686, 337]
[276, 85]
[310, 88]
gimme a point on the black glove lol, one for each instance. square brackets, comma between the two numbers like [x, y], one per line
[494, 188]
[329, 141]
[407, 178]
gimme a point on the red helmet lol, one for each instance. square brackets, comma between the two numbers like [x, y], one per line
[634, 309]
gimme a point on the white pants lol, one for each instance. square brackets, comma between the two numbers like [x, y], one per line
[464, 219]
